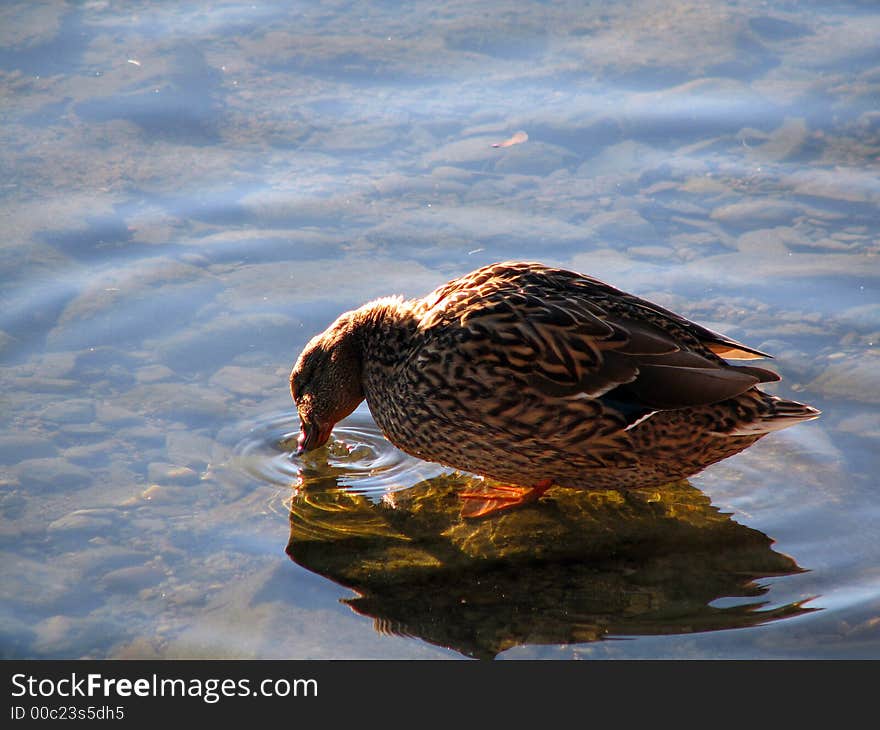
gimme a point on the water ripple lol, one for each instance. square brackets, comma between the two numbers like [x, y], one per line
[358, 458]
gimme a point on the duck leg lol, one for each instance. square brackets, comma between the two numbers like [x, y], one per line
[495, 498]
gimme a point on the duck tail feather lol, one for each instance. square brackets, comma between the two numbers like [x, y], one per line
[779, 414]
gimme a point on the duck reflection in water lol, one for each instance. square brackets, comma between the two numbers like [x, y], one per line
[577, 566]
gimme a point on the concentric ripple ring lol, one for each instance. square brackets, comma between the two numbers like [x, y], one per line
[358, 458]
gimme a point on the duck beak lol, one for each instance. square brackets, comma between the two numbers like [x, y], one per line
[312, 436]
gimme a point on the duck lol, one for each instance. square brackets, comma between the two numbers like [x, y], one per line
[531, 376]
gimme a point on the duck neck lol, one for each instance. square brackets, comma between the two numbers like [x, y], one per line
[385, 326]
[385, 329]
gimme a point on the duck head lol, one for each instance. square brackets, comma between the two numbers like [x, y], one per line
[326, 381]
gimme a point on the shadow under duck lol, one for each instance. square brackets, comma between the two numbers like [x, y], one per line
[535, 376]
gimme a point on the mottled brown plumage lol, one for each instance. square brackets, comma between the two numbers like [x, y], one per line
[533, 375]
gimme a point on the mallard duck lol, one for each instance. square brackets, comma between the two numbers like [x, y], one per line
[535, 376]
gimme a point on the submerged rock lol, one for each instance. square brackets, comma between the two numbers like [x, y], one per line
[244, 381]
[751, 212]
[15, 447]
[84, 520]
[163, 473]
[131, 579]
[854, 377]
[52, 474]
[70, 410]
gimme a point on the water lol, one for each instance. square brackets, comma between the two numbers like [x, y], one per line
[190, 192]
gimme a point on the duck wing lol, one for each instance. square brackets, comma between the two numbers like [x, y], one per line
[572, 337]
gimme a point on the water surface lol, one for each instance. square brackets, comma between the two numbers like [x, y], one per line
[189, 193]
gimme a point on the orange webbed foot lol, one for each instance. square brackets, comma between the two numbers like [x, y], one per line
[496, 498]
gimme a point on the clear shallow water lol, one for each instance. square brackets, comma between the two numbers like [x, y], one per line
[190, 193]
